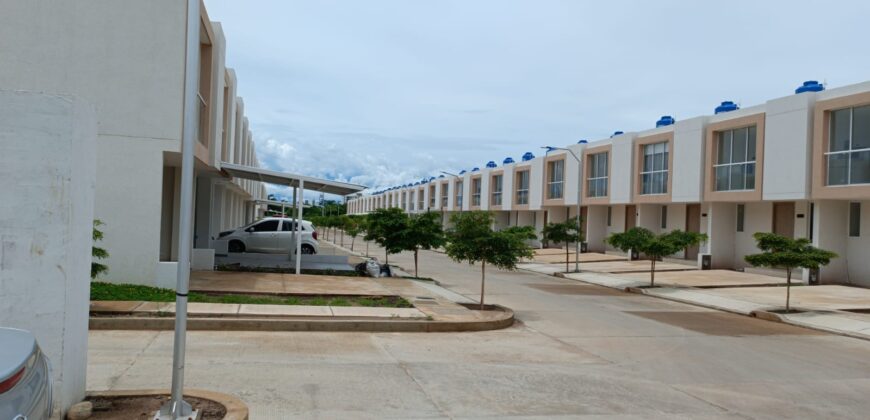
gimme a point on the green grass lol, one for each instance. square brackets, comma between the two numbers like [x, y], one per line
[111, 291]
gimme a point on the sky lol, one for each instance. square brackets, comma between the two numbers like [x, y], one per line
[382, 93]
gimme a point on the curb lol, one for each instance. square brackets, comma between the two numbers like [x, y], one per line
[301, 324]
[236, 408]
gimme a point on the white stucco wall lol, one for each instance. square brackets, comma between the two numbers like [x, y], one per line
[621, 170]
[688, 170]
[47, 155]
[788, 130]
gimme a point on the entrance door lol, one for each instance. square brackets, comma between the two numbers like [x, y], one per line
[630, 217]
[783, 219]
[693, 224]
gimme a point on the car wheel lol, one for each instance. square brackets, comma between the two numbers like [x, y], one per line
[236, 246]
[307, 249]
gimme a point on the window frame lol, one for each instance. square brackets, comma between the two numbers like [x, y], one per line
[476, 190]
[850, 151]
[457, 197]
[521, 192]
[497, 189]
[665, 171]
[595, 169]
[554, 167]
[719, 136]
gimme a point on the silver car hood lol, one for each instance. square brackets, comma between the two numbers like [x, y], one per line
[17, 346]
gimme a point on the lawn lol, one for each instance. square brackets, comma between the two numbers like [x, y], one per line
[111, 291]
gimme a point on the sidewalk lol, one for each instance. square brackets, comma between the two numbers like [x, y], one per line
[836, 309]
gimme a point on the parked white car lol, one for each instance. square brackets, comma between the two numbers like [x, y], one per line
[270, 234]
[25, 377]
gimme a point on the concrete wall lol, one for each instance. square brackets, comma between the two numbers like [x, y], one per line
[621, 178]
[47, 164]
[688, 172]
[787, 134]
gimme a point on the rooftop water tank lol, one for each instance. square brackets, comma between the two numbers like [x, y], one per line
[616, 133]
[491, 164]
[582, 142]
[726, 106]
[665, 120]
[528, 156]
[810, 86]
[508, 160]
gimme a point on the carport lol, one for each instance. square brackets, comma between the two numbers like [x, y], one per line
[299, 183]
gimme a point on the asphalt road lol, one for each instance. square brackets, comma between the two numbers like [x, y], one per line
[578, 351]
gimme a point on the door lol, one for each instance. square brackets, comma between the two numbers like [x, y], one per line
[693, 224]
[263, 237]
[630, 217]
[285, 236]
[783, 219]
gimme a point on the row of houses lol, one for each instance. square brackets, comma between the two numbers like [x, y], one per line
[798, 165]
[127, 59]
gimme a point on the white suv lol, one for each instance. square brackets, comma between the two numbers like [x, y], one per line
[270, 234]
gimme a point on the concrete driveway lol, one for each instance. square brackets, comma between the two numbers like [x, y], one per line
[580, 351]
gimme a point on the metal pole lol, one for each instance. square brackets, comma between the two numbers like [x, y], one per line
[299, 228]
[177, 408]
[292, 236]
[579, 194]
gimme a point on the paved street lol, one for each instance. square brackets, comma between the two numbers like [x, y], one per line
[579, 351]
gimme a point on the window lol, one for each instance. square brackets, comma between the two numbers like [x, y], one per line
[597, 182]
[432, 196]
[609, 215]
[555, 179]
[267, 226]
[475, 191]
[741, 216]
[458, 203]
[404, 201]
[443, 195]
[496, 189]
[854, 220]
[654, 174]
[849, 147]
[421, 200]
[411, 202]
[735, 160]
[664, 223]
[289, 226]
[523, 187]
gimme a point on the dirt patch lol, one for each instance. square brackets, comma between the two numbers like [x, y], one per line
[576, 289]
[144, 407]
[721, 323]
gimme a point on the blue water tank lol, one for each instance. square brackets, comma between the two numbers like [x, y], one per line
[431, 178]
[665, 120]
[491, 164]
[475, 169]
[462, 172]
[810, 86]
[528, 156]
[441, 176]
[583, 142]
[616, 133]
[726, 106]
[508, 160]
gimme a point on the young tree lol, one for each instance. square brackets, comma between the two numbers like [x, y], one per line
[98, 253]
[353, 227]
[564, 232]
[472, 239]
[655, 247]
[424, 232]
[387, 227]
[783, 252]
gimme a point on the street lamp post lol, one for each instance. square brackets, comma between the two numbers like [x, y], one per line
[579, 194]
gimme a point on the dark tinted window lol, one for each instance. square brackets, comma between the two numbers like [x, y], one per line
[288, 226]
[854, 220]
[267, 226]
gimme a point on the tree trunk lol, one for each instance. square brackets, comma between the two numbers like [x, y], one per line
[416, 270]
[652, 272]
[367, 248]
[342, 237]
[352, 240]
[567, 257]
[387, 258]
[482, 281]
[787, 289]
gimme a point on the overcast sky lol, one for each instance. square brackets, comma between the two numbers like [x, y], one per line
[388, 92]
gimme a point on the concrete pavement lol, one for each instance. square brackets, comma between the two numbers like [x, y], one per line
[581, 351]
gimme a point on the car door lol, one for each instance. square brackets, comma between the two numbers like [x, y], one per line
[285, 237]
[263, 237]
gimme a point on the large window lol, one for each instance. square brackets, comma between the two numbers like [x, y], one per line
[404, 201]
[421, 199]
[432, 196]
[523, 187]
[458, 203]
[597, 177]
[475, 191]
[411, 201]
[854, 220]
[444, 196]
[654, 174]
[555, 179]
[735, 160]
[849, 147]
[496, 189]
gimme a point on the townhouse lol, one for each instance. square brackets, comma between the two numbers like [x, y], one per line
[797, 165]
[126, 58]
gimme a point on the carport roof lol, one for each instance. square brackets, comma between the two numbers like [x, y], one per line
[292, 180]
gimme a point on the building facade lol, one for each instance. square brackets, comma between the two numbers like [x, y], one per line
[126, 58]
[798, 165]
